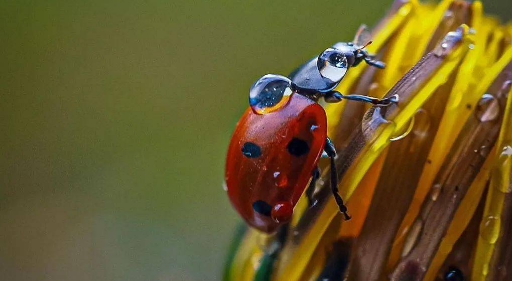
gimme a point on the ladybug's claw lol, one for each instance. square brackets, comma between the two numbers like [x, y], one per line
[347, 217]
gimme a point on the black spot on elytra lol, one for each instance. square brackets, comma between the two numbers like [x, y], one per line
[297, 147]
[251, 150]
[262, 207]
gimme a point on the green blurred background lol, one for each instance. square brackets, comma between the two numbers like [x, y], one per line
[115, 119]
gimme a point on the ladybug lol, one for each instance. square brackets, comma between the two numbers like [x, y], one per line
[277, 143]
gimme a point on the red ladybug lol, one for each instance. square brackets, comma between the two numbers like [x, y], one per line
[276, 144]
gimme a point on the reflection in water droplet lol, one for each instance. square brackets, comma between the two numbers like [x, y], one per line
[487, 108]
[435, 191]
[490, 229]
[412, 237]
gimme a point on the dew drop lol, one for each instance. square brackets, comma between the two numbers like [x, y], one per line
[507, 150]
[435, 191]
[487, 108]
[403, 132]
[412, 237]
[270, 93]
[281, 180]
[372, 120]
[314, 128]
[503, 175]
[484, 150]
[490, 229]
[421, 123]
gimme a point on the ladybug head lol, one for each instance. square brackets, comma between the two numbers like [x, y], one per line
[270, 93]
[348, 53]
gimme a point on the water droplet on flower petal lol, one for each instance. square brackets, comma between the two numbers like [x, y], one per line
[487, 108]
[412, 237]
[435, 191]
[490, 229]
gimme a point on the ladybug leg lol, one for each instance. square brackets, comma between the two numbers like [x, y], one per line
[331, 151]
[334, 96]
[311, 188]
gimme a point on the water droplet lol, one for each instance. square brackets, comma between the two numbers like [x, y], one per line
[490, 229]
[332, 64]
[507, 150]
[503, 170]
[487, 108]
[505, 88]
[403, 132]
[435, 191]
[270, 93]
[484, 150]
[371, 121]
[421, 123]
[281, 180]
[224, 186]
[412, 237]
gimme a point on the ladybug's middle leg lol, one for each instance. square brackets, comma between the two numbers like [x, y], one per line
[331, 152]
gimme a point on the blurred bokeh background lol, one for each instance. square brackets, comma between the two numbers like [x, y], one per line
[115, 117]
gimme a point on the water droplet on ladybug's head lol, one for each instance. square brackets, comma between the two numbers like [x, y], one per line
[332, 64]
[270, 93]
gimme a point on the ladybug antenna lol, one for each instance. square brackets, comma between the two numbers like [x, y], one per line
[364, 46]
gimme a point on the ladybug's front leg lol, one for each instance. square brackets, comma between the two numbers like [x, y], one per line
[331, 153]
[335, 96]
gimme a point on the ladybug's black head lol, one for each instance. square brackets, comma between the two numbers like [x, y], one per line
[355, 54]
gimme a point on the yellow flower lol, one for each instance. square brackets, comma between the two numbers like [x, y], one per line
[427, 180]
